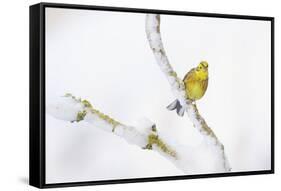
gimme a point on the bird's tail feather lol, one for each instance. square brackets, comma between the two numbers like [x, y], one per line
[176, 105]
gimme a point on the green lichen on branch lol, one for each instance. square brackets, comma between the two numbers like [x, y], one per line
[87, 104]
[89, 108]
[153, 139]
[78, 99]
[106, 118]
[204, 127]
[81, 115]
[173, 73]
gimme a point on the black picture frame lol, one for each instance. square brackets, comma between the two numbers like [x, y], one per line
[37, 94]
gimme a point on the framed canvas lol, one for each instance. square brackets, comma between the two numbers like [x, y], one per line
[121, 95]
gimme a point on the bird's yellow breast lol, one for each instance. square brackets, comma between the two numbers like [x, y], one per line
[195, 90]
[196, 84]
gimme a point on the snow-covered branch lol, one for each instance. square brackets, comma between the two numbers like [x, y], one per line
[155, 42]
[70, 108]
[145, 136]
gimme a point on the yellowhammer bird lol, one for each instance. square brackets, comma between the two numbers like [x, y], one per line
[196, 83]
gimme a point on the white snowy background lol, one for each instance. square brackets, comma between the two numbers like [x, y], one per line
[105, 58]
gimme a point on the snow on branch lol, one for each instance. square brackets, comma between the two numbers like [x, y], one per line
[154, 38]
[70, 108]
[155, 42]
[145, 136]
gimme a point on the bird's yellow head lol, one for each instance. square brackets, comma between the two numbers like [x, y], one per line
[202, 70]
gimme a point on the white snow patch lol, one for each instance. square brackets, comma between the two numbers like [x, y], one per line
[132, 136]
[64, 108]
[98, 122]
[144, 125]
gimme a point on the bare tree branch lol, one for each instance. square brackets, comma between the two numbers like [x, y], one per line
[155, 42]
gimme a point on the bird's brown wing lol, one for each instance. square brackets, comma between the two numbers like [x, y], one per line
[204, 85]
